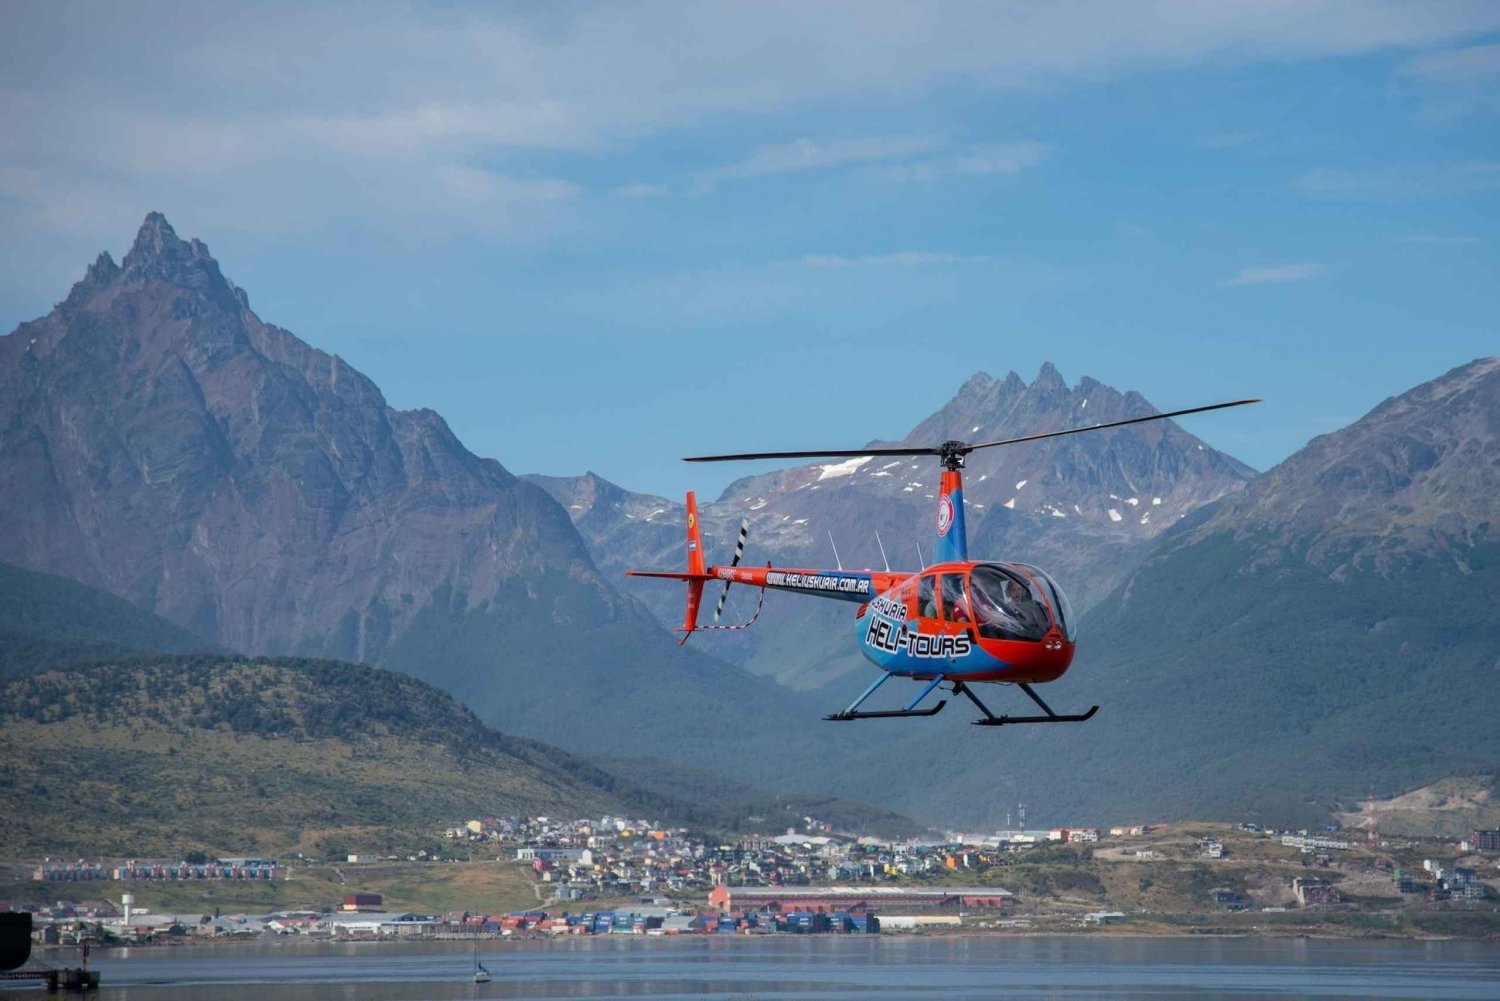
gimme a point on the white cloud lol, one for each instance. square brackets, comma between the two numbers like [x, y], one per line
[1273, 275]
[1439, 240]
[485, 186]
[905, 258]
[1453, 83]
[1476, 62]
[312, 113]
[808, 154]
[1228, 140]
[1414, 181]
[1008, 158]
[643, 190]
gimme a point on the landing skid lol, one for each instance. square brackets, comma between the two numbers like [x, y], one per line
[888, 713]
[990, 719]
[959, 688]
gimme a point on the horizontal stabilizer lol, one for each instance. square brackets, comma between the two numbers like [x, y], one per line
[670, 575]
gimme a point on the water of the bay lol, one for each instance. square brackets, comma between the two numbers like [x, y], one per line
[824, 968]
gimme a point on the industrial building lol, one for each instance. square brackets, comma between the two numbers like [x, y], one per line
[831, 899]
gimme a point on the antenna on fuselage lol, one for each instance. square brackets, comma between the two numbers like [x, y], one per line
[921, 560]
[882, 553]
[837, 562]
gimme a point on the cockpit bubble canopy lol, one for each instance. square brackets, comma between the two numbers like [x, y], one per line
[1061, 607]
[1016, 601]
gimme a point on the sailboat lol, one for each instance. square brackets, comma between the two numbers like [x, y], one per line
[481, 975]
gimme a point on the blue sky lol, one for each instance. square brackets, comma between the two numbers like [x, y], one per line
[605, 236]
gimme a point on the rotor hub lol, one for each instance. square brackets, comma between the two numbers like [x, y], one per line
[953, 453]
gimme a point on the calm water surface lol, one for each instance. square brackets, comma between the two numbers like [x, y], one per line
[821, 968]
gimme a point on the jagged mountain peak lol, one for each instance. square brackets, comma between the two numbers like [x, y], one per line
[1421, 471]
[293, 493]
[98, 277]
[1049, 378]
[158, 253]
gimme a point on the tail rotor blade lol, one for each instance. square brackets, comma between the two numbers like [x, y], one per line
[739, 550]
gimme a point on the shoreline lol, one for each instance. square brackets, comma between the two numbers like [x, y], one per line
[1199, 933]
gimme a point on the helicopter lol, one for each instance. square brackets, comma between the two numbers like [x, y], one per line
[952, 625]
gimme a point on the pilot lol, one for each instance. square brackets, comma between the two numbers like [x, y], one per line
[1028, 613]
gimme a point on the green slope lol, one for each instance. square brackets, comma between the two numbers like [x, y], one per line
[49, 621]
[1285, 681]
[167, 754]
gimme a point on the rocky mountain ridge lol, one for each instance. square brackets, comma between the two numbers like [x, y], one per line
[160, 441]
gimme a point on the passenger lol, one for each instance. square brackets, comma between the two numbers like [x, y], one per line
[994, 621]
[955, 608]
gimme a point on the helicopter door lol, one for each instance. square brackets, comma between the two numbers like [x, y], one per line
[927, 598]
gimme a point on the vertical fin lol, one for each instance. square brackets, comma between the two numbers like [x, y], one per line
[694, 539]
[696, 565]
[952, 541]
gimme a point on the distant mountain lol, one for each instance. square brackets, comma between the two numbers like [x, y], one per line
[1086, 507]
[48, 621]
[160, 441]
[1329, 629]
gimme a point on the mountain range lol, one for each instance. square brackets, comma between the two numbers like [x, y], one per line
[1276, 642]
[1087, 507]
[163, 443]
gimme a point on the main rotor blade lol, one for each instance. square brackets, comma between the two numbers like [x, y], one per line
[844, 454]
[1111, 424]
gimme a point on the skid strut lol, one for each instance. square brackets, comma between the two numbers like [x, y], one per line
[910, 710]
[990, 719]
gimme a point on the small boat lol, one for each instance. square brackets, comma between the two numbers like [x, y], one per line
[481, 975]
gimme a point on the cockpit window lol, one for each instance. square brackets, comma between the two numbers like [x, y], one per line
[955, 606]
[926, 601]
[1060, 604]
[1007, 606]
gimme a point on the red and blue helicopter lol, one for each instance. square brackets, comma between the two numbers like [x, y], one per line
[952, 625]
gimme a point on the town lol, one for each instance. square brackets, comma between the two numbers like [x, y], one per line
[615, 875]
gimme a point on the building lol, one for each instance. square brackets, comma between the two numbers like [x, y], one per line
[580, 855]
[362, 903]
[1308, 843]
[379, 923]
[1487, 841]
[1314, 891]
[832, 899]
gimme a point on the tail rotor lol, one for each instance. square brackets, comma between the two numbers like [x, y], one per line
[739, 550]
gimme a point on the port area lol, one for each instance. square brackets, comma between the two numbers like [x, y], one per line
[54, 978]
